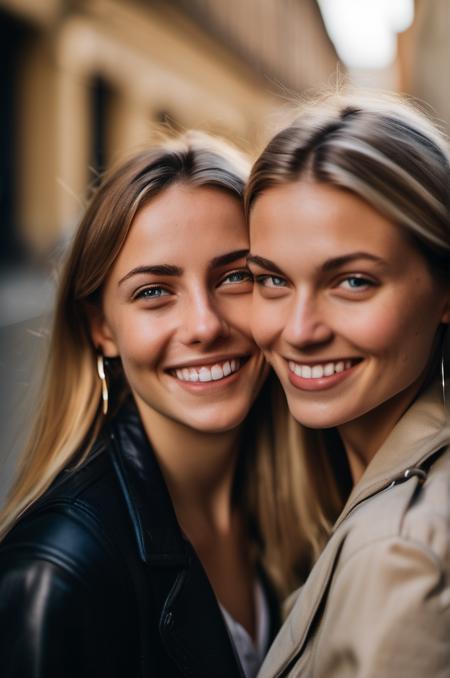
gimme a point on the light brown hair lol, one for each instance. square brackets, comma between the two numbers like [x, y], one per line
[380, 148]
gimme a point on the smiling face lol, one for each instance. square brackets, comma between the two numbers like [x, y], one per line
[345, 307]
[176, 309]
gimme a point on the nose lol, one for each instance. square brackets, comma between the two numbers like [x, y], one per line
[306, 324]
[202, 321]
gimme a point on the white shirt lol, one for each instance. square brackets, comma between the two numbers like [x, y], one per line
[251, 654]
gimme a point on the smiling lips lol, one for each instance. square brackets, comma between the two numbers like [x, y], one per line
[320, 370]
[206, 373]
[320, 376]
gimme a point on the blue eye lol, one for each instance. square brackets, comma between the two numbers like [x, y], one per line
[234, 277]
[152, 293]
[270, 281]
[355, 283]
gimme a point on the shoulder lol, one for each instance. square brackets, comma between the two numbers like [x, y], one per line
[388, 602]
[403, 530]
[69, 527]
[387, 613]
[409, 510]
[426, 520]
[67, 600]
[65, 567]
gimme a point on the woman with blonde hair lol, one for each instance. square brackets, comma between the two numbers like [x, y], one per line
[350, 251]
[151, 529]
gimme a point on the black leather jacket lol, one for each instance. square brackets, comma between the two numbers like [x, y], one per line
[97, 579]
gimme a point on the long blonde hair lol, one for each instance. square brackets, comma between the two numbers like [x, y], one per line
[69, 417]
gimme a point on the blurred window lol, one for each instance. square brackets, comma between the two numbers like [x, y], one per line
[12, 36]
[100, 94]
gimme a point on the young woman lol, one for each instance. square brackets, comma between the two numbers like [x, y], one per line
[149, 524]
[350, 250]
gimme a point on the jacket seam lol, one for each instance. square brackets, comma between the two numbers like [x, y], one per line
[27, 552]
[95, 476]
[71, 508]
[79, 512]
[419, 545]
[122, 480]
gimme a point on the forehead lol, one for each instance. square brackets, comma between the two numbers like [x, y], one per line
[306, 219]
[182, 224]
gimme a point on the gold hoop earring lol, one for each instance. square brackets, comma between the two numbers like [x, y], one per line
[102, 376]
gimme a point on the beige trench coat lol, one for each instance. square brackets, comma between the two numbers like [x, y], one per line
[377, 602]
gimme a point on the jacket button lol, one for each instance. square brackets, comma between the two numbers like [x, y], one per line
[169, 620]
[414, 471]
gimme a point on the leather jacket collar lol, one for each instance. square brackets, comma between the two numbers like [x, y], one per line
[158, 536]
[190, 622]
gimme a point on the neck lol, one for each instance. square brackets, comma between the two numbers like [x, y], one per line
[198, 469]
[363, 437]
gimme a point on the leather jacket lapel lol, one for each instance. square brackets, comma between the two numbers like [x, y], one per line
[191, 624]
[189, 607]
[155, 526]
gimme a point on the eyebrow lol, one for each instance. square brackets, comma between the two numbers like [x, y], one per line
[337, 262]
[264, 263]
[159, 269]
[327, 266]
[168, 269]
[228, 258]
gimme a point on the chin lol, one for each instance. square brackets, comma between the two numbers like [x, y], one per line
[217, 424]
[213, 427]
[315, 416]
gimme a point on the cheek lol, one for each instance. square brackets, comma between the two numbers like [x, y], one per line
[266, 323]
[236, 311]
[392, 329]
[374, 332]
[141, 340]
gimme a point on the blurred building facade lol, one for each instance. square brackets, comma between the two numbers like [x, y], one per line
[87, 82]
[424, 58]
[84, 83]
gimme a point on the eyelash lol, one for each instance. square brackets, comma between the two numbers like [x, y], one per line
[263, 279]
[141, 294]
[366, 283]
[164, 292]
[247, 276]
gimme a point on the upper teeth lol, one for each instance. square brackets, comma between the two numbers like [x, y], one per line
[318, 371]
[204, 373]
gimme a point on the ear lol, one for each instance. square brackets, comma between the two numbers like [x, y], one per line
[101, 333]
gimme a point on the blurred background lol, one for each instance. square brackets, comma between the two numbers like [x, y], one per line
[85, 83]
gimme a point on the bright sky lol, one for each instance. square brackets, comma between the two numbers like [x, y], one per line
[364, 31]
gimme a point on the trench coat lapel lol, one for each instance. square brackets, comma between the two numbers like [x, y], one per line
[294, 632]
[422, 431]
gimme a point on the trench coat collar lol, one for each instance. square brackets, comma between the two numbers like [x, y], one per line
[421, 432]
[155, 526]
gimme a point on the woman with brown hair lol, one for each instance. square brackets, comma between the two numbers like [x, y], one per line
[156, 509]
[350, 250]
